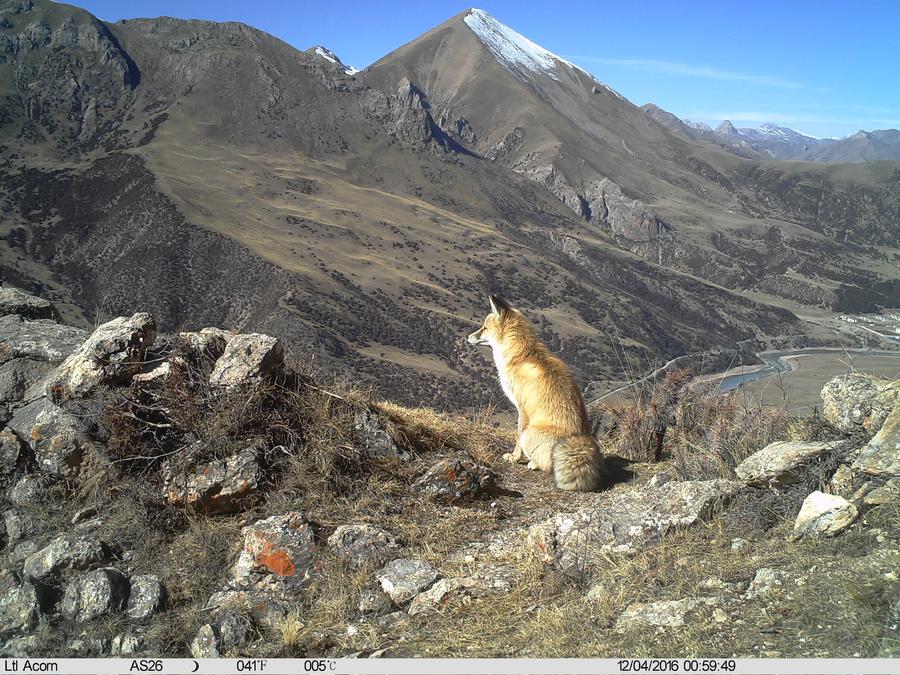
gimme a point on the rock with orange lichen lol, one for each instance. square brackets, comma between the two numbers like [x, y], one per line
[453, 480]
[221, 486]
[56, 438]
[279, 554]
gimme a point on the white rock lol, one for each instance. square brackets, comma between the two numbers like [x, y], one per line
[824, 514]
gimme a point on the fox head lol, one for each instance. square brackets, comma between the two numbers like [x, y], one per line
[491, 331]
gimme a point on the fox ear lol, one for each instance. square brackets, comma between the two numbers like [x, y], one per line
[498, 305]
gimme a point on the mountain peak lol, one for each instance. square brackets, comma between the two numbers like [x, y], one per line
[726, 128]
[513, 49]
[331, 57]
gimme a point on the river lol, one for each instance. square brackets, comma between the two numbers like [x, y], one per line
[786, 361]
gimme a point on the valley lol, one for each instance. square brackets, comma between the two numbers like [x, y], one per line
[213, 174]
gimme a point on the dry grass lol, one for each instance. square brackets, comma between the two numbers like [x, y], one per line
[705, 433]
[425, 429]
[812, 619]
[312, 461]
[313, 464]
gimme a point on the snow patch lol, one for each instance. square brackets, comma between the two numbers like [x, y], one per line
[516, 51]
[331, 57]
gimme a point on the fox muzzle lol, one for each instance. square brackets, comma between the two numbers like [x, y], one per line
[476, 339]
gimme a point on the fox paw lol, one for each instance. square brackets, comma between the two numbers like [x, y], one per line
[532, 466]
[511, 457]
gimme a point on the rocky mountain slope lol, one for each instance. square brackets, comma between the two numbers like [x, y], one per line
[747, 225]
[778, 142]
[253, 185]
[212, 174]
[194, 494]
[863, 146]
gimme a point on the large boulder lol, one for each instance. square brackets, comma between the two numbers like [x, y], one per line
[881, 456]
[56, 437]
[247, 359]
[279, 554]
[94, 594]
[626, 521]
[111, 355]
[854, 401]
[41, 340]
[217, 487]
[14, 301]
[780, 463]
[824, 514]
[363, 545]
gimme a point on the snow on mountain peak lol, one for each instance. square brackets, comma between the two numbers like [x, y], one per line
[515, 51]
[329, 55]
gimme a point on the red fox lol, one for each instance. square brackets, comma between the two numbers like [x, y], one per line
[554, 433]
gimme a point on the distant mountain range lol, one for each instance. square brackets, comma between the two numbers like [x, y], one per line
[777, 142]
[216, 175]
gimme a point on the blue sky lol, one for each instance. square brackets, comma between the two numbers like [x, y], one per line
[827, 68]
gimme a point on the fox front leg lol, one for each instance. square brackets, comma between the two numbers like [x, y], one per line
[518, 454]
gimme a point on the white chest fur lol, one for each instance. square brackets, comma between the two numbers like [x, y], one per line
[503, 373]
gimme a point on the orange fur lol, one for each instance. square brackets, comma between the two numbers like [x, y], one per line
[553, 432]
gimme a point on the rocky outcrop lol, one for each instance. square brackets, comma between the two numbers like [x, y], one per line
[278, 555]
[406, 113]
[19, 377]
[881, 456]
[626, 521]
[83, 569]
[858, 402]
[111, 355]
[628, 220]
[781, 463]
[246, 359]
[30, 307]
[40, 340]
[72, 77]
[57, 439]
[219, 486]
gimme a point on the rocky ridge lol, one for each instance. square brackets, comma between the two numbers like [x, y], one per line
[57, 586]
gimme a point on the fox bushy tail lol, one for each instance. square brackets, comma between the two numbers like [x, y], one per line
[577, 463]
